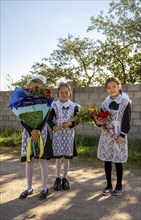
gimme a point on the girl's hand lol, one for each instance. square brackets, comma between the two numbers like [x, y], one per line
[99, 121]
[66, 124]
[57, 128]
[120, 140]
[35, 134]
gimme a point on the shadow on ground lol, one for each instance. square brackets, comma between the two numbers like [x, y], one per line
[82, 202]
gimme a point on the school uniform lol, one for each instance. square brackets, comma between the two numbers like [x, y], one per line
[108, 150]
[120, 114]
[46, 141]
[63, 143]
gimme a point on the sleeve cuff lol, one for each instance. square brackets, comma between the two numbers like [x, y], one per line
[73, 124]
[122, 134]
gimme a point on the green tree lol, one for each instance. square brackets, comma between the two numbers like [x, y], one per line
[9, 85]
[76, 59]
[25, 79]
[89, 63]
[122, 47]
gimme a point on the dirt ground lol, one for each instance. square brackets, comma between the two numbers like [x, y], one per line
[83, 201]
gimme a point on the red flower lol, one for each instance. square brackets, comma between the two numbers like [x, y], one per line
[103, 115]
[100, 114]
[48, 91]
[36, 88]
[106, 115]
[40, 91]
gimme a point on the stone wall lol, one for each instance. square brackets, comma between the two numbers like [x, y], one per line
[83, 96]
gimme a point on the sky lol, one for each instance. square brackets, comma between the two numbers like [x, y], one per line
[30, 30]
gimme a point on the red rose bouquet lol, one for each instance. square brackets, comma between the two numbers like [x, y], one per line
[41, 92]
[31, 106]
[88, 114]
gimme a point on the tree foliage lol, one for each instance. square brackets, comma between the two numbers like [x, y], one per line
[122, 47]
[9, 85]
[89, 62]
[25, 79]
[76, 59]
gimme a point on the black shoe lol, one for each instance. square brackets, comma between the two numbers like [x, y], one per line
[65, 184]
[107, 191]
[57, 184]
[25, 194]
[43, 194]
[117, 192]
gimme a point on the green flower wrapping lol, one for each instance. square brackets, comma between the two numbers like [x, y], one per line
[32, 119]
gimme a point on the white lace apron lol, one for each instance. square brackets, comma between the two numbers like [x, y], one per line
[63, 141]
[108, 149]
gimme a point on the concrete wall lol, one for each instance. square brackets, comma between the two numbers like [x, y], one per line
[83, 96]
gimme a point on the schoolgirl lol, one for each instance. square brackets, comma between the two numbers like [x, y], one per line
[114, 149]
[63, 143]
[38, 80]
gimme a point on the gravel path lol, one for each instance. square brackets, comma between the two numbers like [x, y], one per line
[82, 202]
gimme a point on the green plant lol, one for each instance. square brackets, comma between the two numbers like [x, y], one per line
[10, 138]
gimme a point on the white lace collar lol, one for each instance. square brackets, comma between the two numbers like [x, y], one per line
[65, 105]
[118, 100]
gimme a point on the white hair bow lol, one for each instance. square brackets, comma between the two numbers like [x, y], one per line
[40, 77]
[61, 80]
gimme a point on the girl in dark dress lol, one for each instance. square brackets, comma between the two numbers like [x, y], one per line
[63, 143]
[114, 149]
[38, 80]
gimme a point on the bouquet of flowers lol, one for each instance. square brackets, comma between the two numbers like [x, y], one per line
[31, 106]
[88, 114]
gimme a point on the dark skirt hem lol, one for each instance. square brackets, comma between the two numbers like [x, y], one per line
[48, 153]
[68, 157]
[24, 159]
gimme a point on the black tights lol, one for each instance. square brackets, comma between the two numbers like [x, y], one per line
[119, 173]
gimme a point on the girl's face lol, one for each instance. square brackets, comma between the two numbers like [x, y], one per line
[34, 84]
[64, 94]
[113, 89]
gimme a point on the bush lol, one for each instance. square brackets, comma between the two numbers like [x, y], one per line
[10, 138]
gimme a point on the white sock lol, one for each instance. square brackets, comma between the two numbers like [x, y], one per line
[44, 173]
[29, 174]
[66, 167]
[58, 164]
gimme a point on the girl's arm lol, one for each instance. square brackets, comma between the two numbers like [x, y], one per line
[34, 134]
[99, 121]
[50, 117]
[125, 126]
[50, 122]
[73, 123]
[27, 128]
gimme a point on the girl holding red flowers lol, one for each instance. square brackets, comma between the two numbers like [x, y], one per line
[114, 149]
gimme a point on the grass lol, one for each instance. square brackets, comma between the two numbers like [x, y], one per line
[10, 138]
[10, 143]
[87, 151]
